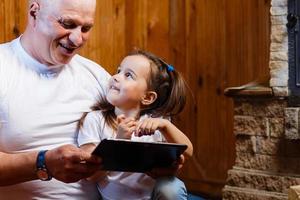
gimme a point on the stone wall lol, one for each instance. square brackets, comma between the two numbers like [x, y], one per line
[279, 48]
[267, 161]
[266, 129]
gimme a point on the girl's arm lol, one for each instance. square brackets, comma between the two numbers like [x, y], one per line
[169, 130]
[173, 134]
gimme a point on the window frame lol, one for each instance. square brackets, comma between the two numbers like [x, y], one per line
[294, 49]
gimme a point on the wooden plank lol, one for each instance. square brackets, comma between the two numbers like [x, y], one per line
[263, 37]
[178, 55]
[10, 19]
[99, 47]
[136, 24]
[158, 28]
[234, 58]
[119, 43]
[194, 172]
[210, 62]
[21, 8]
[251, 40]
[2, 21]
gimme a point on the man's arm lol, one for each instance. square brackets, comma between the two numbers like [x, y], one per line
[17, 168]
[66, 163]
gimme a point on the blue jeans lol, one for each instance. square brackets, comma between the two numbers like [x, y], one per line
[170, 188]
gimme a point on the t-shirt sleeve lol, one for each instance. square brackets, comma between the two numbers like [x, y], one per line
[91, 130]
[96, 78]
[104, 81]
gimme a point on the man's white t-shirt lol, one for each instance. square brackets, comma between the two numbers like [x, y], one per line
[39, 110]
[117, 185]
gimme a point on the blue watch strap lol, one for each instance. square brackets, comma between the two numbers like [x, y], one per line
[41, 166]
[40, 162]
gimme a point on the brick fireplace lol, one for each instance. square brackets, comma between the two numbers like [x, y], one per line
[267, 124]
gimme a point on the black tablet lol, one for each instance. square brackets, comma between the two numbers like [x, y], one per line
[134, 156]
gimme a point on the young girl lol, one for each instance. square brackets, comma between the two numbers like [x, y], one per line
[144, 90]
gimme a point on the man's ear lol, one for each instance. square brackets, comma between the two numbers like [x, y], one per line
[149, 98]
[34, 9]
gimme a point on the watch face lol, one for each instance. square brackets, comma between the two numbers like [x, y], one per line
[42, 174]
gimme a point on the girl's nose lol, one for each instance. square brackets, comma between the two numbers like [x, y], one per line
[116, 77]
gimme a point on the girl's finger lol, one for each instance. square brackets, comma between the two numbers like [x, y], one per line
[120, 118]
[128, 120]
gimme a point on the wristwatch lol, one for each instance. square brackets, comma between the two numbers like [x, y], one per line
[41, 169]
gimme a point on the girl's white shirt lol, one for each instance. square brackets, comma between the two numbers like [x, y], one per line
[117, 185]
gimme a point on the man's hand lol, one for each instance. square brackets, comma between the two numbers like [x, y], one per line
[171, 171]
[70, 164]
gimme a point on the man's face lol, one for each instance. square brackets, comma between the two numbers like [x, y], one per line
[61, 28]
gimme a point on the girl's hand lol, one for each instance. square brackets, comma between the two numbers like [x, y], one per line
[168, 171]
[149, 125]
[125, 127]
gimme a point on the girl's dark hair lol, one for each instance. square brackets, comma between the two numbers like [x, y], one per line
[164, 80]
[167, 83]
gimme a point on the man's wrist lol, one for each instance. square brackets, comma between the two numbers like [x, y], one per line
[41, 168]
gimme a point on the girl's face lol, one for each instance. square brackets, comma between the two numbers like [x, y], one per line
[128, 87]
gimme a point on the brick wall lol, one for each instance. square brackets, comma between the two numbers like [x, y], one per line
[267, 160]
[266, 129]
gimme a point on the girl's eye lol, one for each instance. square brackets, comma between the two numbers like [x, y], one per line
[118, 71]
[128, 74]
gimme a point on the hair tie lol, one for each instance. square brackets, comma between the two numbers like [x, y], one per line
[170, 68]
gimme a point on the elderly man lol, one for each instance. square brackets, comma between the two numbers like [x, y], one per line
[44, 89]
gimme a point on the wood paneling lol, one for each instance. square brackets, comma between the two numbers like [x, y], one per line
[214, 43]
[12, 18]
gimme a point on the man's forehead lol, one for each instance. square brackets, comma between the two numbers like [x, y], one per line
[54, 3]
[60, 8]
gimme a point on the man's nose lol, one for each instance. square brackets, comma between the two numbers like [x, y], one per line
[76, 37]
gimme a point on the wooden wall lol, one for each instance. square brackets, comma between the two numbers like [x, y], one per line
[214, 43]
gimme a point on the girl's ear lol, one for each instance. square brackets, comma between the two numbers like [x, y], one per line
[149, 98]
